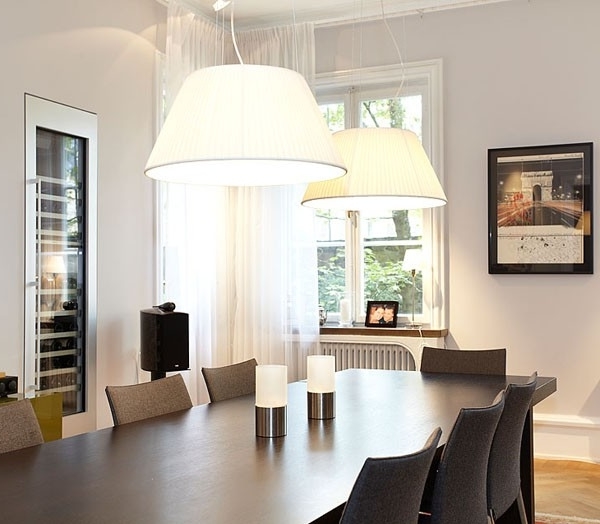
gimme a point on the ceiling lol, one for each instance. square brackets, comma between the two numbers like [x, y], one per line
[264, 13]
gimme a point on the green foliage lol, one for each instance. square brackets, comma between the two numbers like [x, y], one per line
[397, 112]
[332, 280]
[383, 113]
[334, 116]
[384, 280]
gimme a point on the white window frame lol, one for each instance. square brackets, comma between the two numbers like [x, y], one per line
[426, 78]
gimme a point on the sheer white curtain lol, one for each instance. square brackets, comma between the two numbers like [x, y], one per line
[240, 261]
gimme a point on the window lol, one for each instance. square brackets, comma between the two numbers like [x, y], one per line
[360, 255]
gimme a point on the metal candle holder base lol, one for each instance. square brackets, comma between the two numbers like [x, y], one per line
[271, 422]
[321, 405]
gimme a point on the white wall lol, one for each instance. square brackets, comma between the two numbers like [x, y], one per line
[97, 56]
[516, 73]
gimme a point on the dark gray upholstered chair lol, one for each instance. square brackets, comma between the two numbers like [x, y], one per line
[230, 381]
[19, 427]
[504, 467]
[148, 399]
[472, 361]
[460, 485]
[389, 490]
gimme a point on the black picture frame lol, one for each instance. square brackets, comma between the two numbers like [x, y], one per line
[382, 319]
[540, 209]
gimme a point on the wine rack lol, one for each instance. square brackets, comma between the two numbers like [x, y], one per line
[60, 267]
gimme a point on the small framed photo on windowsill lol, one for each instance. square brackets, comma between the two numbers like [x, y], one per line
[381, 314]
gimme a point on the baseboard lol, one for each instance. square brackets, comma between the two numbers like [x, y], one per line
[545, 518]
[567, 437]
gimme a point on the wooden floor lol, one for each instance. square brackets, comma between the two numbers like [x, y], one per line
[567, 488]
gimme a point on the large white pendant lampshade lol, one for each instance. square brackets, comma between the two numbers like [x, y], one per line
[387, 169]
[244, 125]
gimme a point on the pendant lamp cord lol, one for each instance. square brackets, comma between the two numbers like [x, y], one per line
[296, 59]
[219, 37]
[401, 59]
[235, 46]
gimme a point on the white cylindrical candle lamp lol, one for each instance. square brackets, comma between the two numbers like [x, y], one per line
[321, 373]
[321, 386]
[345, 313]
[271, 400]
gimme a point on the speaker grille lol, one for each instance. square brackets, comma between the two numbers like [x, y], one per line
[164, 340]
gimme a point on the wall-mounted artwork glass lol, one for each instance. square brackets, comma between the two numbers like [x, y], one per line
[540, 209]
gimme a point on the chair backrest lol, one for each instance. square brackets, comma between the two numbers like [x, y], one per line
[19, 427]
[148, 399]
[460, 487]
[389, 490]
[230, 381]
[504, 467]
[471, 361]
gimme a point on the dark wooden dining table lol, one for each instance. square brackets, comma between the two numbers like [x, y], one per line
[206, 464]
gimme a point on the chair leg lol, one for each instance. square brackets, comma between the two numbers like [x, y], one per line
[521, 506]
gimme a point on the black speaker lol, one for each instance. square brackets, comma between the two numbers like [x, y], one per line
[164, 341]
[8, 385]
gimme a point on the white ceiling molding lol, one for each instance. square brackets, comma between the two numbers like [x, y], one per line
[251, 14]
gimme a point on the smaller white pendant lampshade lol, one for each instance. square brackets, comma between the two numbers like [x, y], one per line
[244, 125]
[271, 386]
[387, 169]
[320, 373]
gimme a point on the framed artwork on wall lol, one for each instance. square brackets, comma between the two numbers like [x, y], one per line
[540, 209]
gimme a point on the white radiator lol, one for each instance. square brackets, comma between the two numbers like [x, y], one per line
[365, 355]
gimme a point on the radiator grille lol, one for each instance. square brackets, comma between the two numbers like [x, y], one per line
[369, 356]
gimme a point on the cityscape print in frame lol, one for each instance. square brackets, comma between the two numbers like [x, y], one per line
[540, 209]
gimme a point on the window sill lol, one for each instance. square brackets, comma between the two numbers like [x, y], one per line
[424, 332]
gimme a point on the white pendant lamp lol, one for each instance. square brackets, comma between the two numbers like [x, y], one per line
[244, 125]
[387, 169]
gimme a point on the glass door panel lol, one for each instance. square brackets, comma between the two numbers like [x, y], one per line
[60, 267]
